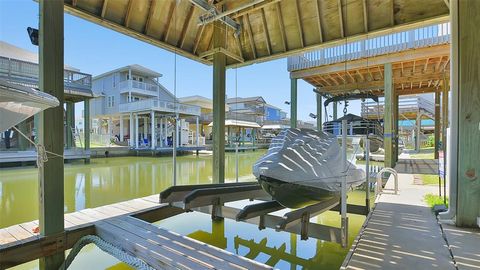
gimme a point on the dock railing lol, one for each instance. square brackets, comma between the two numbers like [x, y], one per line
[161, 105]
[28, 73]
[405, 105]
[427, 36]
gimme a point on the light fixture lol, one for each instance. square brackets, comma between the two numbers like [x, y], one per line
[33, 35]
[314, 116]
[287, 102]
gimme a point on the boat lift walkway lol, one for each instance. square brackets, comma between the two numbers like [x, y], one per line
[402, 232]
[125, 225]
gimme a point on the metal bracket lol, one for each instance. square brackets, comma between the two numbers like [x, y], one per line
[261, 222]
[304, 229]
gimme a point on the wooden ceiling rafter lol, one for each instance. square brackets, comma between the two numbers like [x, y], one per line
[319, 20]
[299, 24]
[186, 24]
[128, 14]
[265, 31]
[246, 22]
[171, 16]
[281, 26]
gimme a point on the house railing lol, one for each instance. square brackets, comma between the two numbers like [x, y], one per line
[132, 84]
[159, 105]
[427, 36]
[28, 73]
[405, 104]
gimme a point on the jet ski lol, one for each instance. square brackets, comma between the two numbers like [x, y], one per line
[303, 167]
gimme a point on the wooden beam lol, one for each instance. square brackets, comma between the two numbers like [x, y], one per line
[299, 24]
[293, 103]
[437, 66]
[392, 10]
[426, 65]
[320, 30]
[265, 31]
[281, 27]
[246, 21]
[253, 8]
[171, 16]
[319, 112]
[466, 100]
[437, 125]
[238, 42]
[340, 15]
[186, 24]
[388, 124]
[51, 130]
[151, 11]
[104, 8]
[197, 38]
[351, 77]
[219, 63]
[361, 75]
[127, 14]
[365, 15]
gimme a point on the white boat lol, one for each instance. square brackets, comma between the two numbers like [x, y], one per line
[303, 167]
[18, 103]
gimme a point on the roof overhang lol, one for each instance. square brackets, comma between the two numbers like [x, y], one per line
[271, 29]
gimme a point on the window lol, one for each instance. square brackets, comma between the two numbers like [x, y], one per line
[110, 101]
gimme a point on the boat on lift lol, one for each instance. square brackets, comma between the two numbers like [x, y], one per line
[358, 127]
[18, 102]
[304, 167]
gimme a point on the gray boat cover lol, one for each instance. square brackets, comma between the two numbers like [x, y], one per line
[308, 158]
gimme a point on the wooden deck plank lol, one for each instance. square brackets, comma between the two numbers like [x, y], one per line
[19, 233]
[167, 239]
[197, 245]
[6, 238]
[156, 256]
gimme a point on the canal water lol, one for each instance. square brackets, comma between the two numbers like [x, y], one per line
[110, 180]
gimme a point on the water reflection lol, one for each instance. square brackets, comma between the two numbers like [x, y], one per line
[110, 180]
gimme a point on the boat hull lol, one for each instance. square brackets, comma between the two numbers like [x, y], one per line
[293, 195]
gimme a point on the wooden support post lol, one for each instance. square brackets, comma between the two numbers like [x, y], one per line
[418, 132]
[319, 112]
[219, 63]
[86, 127]
[335, 113]
[51, 178]
[437, 124]
[465, 92]
[153, 138]
[121, 128]
[388, 116]
[445, 89]
[70, 120]
[22, 142]
[197, 131]
[293, 102]
[395, 127]
[131, 131]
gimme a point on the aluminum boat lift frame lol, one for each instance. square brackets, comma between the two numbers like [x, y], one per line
[212, 199]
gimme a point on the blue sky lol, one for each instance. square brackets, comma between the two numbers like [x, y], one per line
[94, 49]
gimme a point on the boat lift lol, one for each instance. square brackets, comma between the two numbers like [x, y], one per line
[248, 202]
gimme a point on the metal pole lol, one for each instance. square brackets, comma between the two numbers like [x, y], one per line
[236, 161]
[367, 172]
[174, 145]
[344, 186]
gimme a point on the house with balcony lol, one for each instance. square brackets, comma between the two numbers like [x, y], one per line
[133, 108]
[254, 107]
[239, 125]
[20, 66]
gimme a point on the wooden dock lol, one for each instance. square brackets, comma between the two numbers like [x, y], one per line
[125, 225]
[31, 155]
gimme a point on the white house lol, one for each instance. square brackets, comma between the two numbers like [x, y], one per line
[130, 103]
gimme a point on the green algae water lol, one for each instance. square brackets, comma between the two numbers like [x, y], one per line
[110, 180]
